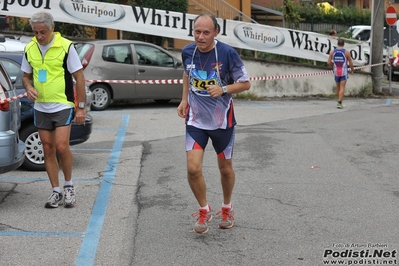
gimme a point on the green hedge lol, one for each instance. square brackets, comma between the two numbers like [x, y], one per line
[310, 12]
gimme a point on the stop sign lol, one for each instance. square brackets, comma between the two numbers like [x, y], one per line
[391, 16]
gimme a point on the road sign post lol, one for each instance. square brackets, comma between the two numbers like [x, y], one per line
[391, 18]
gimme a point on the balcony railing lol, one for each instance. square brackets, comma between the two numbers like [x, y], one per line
[222, 9]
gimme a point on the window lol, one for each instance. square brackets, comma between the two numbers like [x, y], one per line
[117, 54]
[366, 4]
[14, 71]
[352, 3]
[152, 56]
[364, 35]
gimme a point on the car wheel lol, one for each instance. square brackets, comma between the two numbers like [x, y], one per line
[102, 97]
[385, 70]
[34, 155]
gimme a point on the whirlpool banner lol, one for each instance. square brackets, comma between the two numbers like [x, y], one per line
[275, 40]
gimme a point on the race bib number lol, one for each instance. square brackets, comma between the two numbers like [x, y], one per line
[199, 85]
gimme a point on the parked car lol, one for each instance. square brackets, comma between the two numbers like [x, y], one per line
[28, 132]
[11, 147]
[108, 60]
[360, 32]
[9, 43]
[363, 33]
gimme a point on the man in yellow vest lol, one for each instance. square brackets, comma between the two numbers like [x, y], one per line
[50, 64]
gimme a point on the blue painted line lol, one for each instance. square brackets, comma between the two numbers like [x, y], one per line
[388, 102]
[57, 234]
[88, 249]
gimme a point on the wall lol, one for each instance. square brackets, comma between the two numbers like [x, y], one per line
[302, 85]
[321, 84]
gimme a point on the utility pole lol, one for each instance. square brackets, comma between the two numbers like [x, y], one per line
[377, 40]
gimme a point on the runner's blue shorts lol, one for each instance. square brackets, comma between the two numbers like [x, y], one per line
[222, 140]
[339, 79]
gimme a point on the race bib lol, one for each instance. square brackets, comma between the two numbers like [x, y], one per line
[199, 80]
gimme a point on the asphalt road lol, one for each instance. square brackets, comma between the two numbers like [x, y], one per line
[313, 184]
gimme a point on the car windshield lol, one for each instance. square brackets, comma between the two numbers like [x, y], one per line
[14, 71]
[354, 30]
[82, 49]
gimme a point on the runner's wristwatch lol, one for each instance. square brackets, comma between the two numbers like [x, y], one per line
[224, 89]
[81, 105]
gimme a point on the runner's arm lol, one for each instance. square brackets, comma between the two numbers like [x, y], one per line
[349, 58]
[329, 61]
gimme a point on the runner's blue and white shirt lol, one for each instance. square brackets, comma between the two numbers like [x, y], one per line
[222, 66]
[340, 62]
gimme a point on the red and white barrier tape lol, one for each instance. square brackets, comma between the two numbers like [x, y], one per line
[180, 81]
[305, 74]
[13, 98]
[142, 81]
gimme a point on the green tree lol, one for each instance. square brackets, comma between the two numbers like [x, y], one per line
[310, 12]
[291, 14]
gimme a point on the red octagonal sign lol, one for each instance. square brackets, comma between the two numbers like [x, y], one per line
[391, 16]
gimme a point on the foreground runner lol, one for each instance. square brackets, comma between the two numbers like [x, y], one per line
[213, 71]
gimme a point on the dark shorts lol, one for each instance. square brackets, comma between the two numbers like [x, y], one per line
[222, 140]
[49, 121]
[339, 79]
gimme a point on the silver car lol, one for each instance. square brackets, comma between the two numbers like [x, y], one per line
[112, 66]
[12, 149]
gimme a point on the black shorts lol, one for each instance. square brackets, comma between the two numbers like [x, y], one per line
[49, 121]
[222, 140]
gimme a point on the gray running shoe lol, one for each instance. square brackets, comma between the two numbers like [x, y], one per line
[227, 218]
[54, 200]
[203, 218]
[340, 106]
[69, 196]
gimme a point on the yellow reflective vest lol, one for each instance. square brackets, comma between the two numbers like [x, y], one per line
[51, 77]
